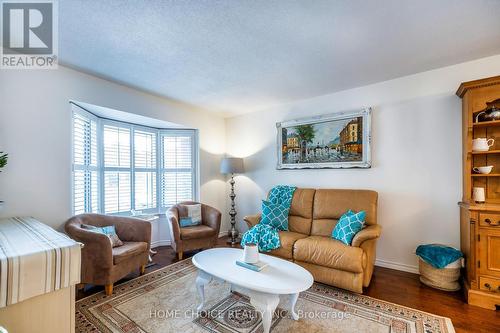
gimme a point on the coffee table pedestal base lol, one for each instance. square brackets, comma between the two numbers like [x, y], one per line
[264, 303]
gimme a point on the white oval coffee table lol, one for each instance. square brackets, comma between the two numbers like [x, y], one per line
[264, 288]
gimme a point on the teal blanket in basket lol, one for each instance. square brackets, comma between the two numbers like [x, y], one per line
[438, 255]
[274, 218]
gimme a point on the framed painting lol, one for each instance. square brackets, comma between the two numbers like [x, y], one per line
[339, 140]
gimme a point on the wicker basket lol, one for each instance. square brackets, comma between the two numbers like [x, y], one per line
[439, 278]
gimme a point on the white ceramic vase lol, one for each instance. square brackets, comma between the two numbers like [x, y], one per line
[478, 194]
[251, 253]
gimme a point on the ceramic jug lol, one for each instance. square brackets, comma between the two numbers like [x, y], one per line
[482, 144]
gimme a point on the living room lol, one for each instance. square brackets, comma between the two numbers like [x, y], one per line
[235, 166]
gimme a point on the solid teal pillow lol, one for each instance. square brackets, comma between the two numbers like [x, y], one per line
[348, 226]
[188, 222]
[275, 215]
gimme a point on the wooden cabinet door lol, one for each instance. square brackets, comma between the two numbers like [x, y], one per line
[489, 252]
[467, 241]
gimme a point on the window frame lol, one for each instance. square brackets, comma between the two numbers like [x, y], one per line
[159, 134]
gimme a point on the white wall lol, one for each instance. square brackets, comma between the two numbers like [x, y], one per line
[416, 155]
[35, 129]
[416, 148]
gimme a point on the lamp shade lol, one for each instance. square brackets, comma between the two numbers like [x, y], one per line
[231, 165]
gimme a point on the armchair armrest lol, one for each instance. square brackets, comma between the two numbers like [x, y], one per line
[211, 217]
[173, 219]
[252, 220]
[97, 247]
[132, 229]
[370, 232]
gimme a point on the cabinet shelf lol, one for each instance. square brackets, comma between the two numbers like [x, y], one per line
[485, 175]
[487, 123]
[485, 152]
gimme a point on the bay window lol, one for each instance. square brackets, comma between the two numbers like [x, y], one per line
[119, 167]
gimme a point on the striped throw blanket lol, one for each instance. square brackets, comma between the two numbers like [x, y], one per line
[35, 259]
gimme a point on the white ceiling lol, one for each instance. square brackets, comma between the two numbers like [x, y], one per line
[237, 56]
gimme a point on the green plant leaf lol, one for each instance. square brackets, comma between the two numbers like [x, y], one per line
[3, 159]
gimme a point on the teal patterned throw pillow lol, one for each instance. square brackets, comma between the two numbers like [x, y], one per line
[348, 226]
[109, 231]
[275, 215]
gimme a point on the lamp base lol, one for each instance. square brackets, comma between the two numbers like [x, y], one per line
[233, 236]
[234, 242]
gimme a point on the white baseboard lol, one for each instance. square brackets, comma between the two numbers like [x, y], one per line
[223, 233]
[397, 266]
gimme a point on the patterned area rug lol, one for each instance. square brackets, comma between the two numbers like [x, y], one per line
[165, 301]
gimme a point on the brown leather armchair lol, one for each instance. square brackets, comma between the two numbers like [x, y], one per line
[102, 264]
[201, 236]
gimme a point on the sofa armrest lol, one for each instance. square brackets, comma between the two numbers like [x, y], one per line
[252, 220]
[370, 232]
[97, 249]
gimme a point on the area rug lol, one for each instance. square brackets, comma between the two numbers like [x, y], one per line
[165, 301]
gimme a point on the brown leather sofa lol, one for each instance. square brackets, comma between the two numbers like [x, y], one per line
[313, 215]
[102, 264]
[197, 237]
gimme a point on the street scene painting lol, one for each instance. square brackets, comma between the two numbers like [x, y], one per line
[334, 141]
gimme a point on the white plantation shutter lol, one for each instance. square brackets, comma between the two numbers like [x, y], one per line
[116, 146]
[85, 164]
[178, 167]
[117, 192]
[145, 169]
[117, 169]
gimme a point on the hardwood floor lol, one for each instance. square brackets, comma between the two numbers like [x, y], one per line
[387, 284]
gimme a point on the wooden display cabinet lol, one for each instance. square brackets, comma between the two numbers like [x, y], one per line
[480, 222]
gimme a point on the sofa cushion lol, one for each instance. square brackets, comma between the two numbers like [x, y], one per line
[199, 231]
[328, 252]
[287, 240]
[332, 204]
[301, 211]
[127, 250]
[323, 227]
